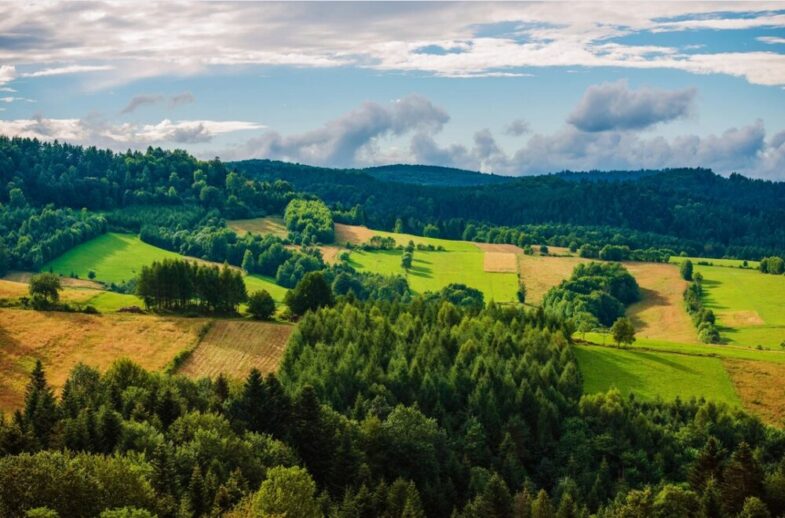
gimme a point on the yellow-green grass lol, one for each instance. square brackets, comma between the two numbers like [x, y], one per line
[120, 257]
[652, 375]
[267, 225]
[432, 271]
[732, 263]
[355, 234]
[750, 306]
[708, 350]
[109, 301]
[113, 257]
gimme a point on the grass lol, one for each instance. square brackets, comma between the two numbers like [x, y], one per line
[541, 273]
[431, 271]
[356, 235]
[113, 257]
[759, 385]
[652, 375]
[749, 305]
[234, 347]
[120, 257]
[61, 340]
[732, 263]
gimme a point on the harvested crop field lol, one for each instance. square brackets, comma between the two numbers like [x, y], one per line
[234, 347]
[542, 273]
[494, 247]
[353, 234]
[66, 282]
[661, 315]
[61, 340]
[759, 385]
[500, 262]
[267, 225]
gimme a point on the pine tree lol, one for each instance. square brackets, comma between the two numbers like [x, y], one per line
[248, 264]
[542, 507]
[707, 465]
[742, 478]
[40, 410]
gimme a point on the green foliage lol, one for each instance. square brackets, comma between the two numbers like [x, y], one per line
[772, 265]
[686, 270]
[595, 293]
[309, 222]
[289, 492]
[703, 318]
[261, 305]
[45, 289]
[623, 331]
[311, 293]
[178, 285]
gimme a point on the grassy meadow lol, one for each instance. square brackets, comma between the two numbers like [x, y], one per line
[749, 305]
[650, 375]
[120, 257]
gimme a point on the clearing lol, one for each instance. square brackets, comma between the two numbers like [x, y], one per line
[61, 340]
[541, 273]
[267, 225]
[650, 375]
[234, 347]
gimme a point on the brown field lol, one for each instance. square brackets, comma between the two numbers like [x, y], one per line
[234, 347]
[354, 234]
[67, 282]
[330, 253]
[14, 289]
[494, 247]
[759, 386]
[268, 225]
[10, 289]
[61, 340]
[500, 262]
[542, 273]
[660, 314]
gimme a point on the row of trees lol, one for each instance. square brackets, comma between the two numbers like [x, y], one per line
[703, 318]
[175, 284]
[595, 295]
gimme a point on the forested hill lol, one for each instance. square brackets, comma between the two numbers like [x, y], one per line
[734, 215]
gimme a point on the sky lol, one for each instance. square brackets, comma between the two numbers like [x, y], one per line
[510, 88]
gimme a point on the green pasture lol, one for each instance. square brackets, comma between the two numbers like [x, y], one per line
[750, 306]
[431, 271]
[650, 375]
[120, 257]
[732, 263]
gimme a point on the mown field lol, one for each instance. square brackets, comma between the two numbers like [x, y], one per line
[234, 347]
[120, 257]
[650, 375]
[750, 306]
[61, 340]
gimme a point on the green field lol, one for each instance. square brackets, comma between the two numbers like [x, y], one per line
[431, 271]
[719, 351]
[119, 257]
[749, 305]
[650, 375]
[733, 263]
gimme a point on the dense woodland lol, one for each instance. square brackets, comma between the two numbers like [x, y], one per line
[386, 409]
[708, 214]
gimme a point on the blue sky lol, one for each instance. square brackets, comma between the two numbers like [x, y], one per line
[512, 88]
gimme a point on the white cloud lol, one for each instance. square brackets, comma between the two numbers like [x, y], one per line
[772, 40]
[7, 74]
[478, 39]
[95, 130]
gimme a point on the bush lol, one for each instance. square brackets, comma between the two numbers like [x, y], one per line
[311, 293]
[261, 305]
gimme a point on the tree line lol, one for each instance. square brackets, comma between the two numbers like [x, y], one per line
[309, 222]
[177, 285]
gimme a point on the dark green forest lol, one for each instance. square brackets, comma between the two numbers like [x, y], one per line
[693, 210]
[392, 409]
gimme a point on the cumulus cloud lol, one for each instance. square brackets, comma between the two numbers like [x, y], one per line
[147, 100]
[341, 141]
[517, 128]
[615, 106]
